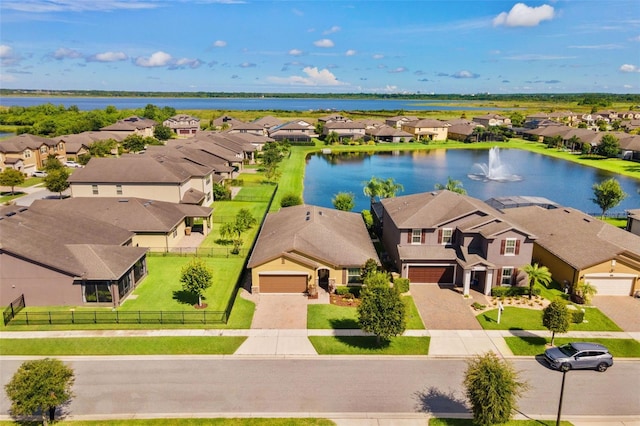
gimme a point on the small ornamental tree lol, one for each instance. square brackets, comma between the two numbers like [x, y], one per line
[39, 386]
[162, 133]
[11, 177]
[57, 181]
[368, 218]
[492, 387]
[608, 194]
[556, 318]
[381, 310]
[196, 278]
[52, 163]
[344, 201]
[290, 199]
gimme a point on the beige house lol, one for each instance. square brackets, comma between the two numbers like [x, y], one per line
[345, 129]
[633, 221]
[490, 120]
[183, 125]
[28, 153]
[304, 247]
[575, 246]
[132, 125]
[426, 129]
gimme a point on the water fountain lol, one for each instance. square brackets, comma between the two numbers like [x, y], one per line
[494, 170]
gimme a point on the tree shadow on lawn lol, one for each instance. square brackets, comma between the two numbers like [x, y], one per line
[363, 342]
[344, 323]
[435, 401]
[487, 318]
[186, 297]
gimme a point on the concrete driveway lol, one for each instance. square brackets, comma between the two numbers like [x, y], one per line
[280, 311]
[624, 311]
[443, 308]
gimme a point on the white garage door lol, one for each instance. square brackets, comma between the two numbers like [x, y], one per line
[611, 286]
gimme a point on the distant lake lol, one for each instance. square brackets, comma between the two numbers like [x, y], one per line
[240, 104]
[566, 183]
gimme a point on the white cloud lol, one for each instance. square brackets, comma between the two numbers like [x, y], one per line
[350, 52]
[597, 46]
[186, 63]
[464, 74]
[325, 42]
[295, 52]
[314, 77]
[47, 6]
[6, 78]
[64, 53]
[332, 30]
[628, 86]
[538, 57]
[629, 68]
[378, 56]
[247, 65]
[398, 70]
[108, 57]
[7, 56]
[219, 43]
[522, 15]
[635, 38]
[158, 59]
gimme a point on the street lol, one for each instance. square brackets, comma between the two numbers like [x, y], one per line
[144, 386]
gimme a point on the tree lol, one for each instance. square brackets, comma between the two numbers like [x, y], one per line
[57, 181]
[290, 199]
[517, 119]
[196, 278]
[162, 133]
[555, 317]
[492, 387]
[220, 192]
[11, 177]
[537, 275]
[609, 146]
[390, 188]
[103, 148]
[368, 218]
[608, 194]
[381, 310]
[52, 163]
[585, 291]
[373, 189]
[370, 267]
[452, 185]
[245, 220]
[344, 201]
[332, 138]
[39, 386]
[133, 143]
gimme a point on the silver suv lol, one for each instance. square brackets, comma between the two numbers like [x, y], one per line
[577, 355]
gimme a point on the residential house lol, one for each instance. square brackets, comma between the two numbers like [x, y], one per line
[309, 246]
[28, 153]
[79, 144]
[451, 239]
[386, 133]
[334, 118]
[293, 131]
[345, 129]
[225, 122]
[464, 132]
[132, 126]
[426, 129]
[252, 128]
[489, 120]
[399, 120]
[576, 246]
[69, 260]
[268, 122]
[633, 221]
[197, 153]
[630, 146]
[183, 125]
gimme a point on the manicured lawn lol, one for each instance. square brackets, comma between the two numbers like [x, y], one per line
[189, 422]
[624, 348]
[346, 317]
[468, 422]
[366, 345]
[531, 319]
[122, 346]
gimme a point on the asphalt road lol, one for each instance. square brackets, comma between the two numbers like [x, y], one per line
[147, 386]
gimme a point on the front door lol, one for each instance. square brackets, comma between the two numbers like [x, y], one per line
[323, 279]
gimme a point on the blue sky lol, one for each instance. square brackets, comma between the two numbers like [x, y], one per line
[317, 46]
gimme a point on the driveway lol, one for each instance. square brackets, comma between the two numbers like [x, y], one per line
[624, 311]
[443, 308]
[280, 311]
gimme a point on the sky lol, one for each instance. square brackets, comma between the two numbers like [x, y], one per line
[322, 46]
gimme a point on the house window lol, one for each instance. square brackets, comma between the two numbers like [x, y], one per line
[27, 153]
[97, 293]
[510, 247]
[175, 232]
[43, 149]
[119, 189]
[353, 275]
[507, 272]
[94, 189]
[447, 233]
[416, 236]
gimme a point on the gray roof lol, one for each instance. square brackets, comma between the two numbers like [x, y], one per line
[25, 141]
[130, 124]
[129, 169]
[336, 237]
[425, 122]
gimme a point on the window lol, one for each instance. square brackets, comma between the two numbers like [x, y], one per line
[27, 153]
[97, 293]
[94, 189]
[43, 149]
[175, 232]
[119, 189]
[507, 272]
[416, 236]
[447, 233]
[353, 275]
[510, 247]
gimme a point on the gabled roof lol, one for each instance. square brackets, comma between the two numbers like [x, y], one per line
[129, 169]
[267, 122]
[344, 125]
[388, 131]
[130, 124]
[19, 143]
[335, 237]
[425, 122]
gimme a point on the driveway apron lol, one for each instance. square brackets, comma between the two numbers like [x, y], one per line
[624, 311]
[280, 311]
[443, 308]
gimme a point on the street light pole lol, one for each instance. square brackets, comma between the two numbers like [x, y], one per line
[564, 373]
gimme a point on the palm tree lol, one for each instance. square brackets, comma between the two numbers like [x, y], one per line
[537, 275]
[390, 188]
[373, 189]
[452, 185]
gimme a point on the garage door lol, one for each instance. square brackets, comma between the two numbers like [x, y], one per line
[431, 274]
[283, 283]
[611, 286]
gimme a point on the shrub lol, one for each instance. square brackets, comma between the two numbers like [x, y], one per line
[402, 284]
[353, 291]
[477, 306]
[577, 317]
[290, 199]
[513, 291]
[499, 291]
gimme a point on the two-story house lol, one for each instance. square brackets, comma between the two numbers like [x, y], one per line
[345, 129]
[426, 129]
[398, 120]
[446, 238]
[183, 125]
[490, 120]
[28, 153]
[293, 131]
[132, 126]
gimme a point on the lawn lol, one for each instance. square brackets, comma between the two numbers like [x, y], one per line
[346, 317]
[88, 346]
[624, 348]
[188, 422]
[366, 345]
[513, 318]
[469, 422]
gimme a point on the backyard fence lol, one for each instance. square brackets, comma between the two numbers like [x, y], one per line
[220, 252]
[120, 317]
[13, 309]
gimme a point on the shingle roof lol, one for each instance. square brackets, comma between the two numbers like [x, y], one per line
[130, 124]
[332, 236]
[128, 169]
[25, 141]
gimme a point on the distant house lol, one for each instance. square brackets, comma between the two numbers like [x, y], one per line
[28, 153]
[79, 144]
[489, 120]
[426, 129]
[132, 126]
[334, 118]
[345, 129]
[225, 122]
[183, 125]
[268, 122]
[293, 131]
[633, 221]
[308, 245]
[463, 132]
[575, 246]
[399, 120]
[386, 133]
[445, 238]
[76, 261]
[252, 128]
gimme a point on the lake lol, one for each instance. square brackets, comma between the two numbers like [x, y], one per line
[240, 104]
[566, 183]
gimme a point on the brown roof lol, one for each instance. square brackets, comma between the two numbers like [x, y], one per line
[426, 122]
[128, 169]
[25, 141]
[130, 124]
[336, 237]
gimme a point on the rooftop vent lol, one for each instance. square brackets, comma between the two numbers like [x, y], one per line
[123, 200]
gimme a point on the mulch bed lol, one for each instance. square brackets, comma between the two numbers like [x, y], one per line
[343, 301]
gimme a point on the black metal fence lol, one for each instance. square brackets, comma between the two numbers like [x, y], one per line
[13, 309]
[121, 317]
[221, 252]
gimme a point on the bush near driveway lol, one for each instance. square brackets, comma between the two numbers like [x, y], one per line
[623, 348]
[513, 318]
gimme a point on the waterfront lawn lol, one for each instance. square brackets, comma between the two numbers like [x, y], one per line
[188, 422]
[91, 346]
[521, 346]
[513, 318]
[366, 345]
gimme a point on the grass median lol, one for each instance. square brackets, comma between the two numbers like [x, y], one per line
[513, 318]
[623, 348]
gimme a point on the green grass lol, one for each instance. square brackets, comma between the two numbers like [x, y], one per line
[366, 345]
[469, 422]
[122, 346]
[531, 319]
[346, 317]
[188, 422]
[624, 348]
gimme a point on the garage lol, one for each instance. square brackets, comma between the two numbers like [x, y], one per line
[283, 283]
[431, 274]
[616, 285]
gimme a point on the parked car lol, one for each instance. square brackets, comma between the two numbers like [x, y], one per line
[72, 164]
[579, 355]
[39, 173]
